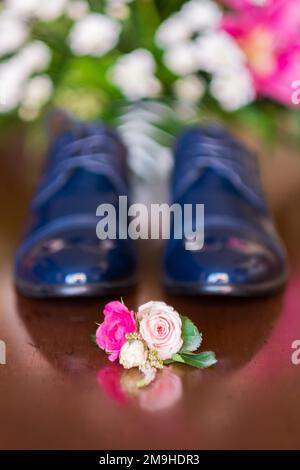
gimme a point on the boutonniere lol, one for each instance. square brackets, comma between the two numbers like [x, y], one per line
[151, 338]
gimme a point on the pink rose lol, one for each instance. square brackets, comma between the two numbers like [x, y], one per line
[111, 334]
[160, 328]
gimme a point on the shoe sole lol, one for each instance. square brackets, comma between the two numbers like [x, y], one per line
[229, 290]
[63, 291]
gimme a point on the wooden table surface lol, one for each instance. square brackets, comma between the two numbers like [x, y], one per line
[57, 391]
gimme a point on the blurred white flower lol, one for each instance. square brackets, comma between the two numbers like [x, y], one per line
[22, 8]
[37, 91]
[45, 10]
[15, 72]
[134, 74]
[94, 34]
[182, 58]
[76, 9]
[28, 114]
[35, 56]
[172, 31]
[195, 16]
[13, 33]
[190, 89]
[118, 9]
[201, 15]
[12, 77]
[220, 55]
[233, 88]
[50, 10]
[217, 52]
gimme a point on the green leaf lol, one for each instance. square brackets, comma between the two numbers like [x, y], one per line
[201, 360]
[93, 338]
[177, 358]
[191, 336]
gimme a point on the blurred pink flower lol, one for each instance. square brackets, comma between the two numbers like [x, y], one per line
[163, 393]
[122, 387]
[111, 334]
[268, 31]
[109, 379]
[243, 4]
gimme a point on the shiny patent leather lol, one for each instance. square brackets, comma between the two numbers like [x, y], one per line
[242, 254]
[60, 254]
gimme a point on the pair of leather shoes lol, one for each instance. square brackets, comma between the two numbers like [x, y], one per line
[61, 255]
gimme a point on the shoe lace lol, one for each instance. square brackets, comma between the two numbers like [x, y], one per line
[97, 151]
[225, 156]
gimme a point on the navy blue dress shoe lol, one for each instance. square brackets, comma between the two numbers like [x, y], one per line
[60, 254]
[241, 254]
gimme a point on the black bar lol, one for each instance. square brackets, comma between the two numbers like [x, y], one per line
[133, 459]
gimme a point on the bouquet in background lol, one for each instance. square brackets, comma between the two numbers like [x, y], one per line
[153, 65]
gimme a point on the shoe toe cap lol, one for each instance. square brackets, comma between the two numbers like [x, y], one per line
[226, 262]
[77, 259]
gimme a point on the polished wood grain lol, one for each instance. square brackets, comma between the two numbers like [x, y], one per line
[57, 391]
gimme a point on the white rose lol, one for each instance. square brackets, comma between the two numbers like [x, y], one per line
[160, 327]
[133, 354]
